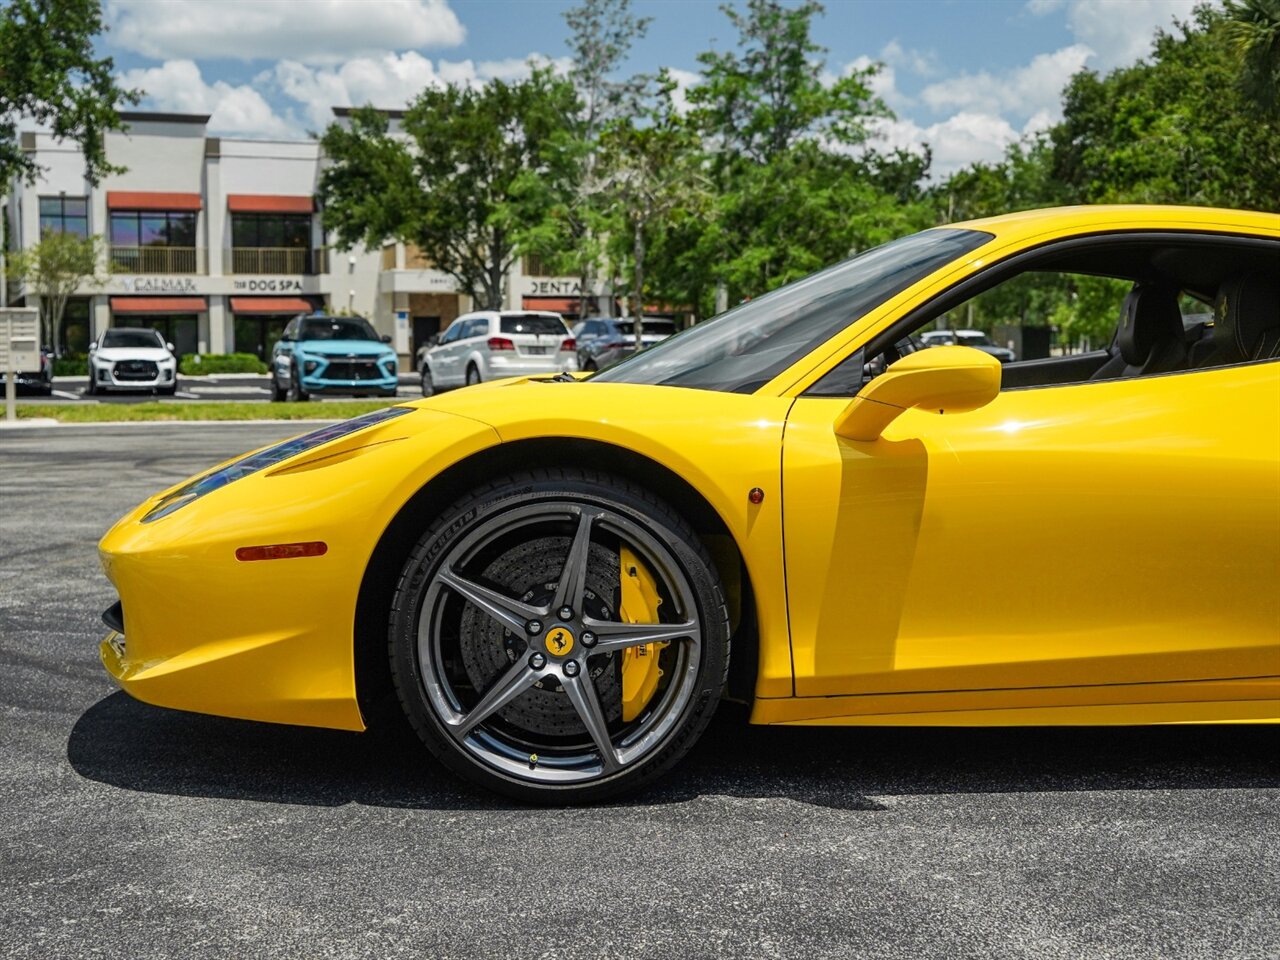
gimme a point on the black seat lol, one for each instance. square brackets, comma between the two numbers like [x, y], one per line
[1246, 322]
[1150, 338]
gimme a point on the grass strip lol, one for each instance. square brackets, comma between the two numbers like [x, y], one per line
[204, 410]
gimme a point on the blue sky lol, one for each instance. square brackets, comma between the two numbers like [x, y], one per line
[966, 76]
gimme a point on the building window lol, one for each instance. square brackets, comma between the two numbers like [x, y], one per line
[153, 228]
[64, 215]
[273, 243]
[534, 267]
[155, 241]
[278, 230]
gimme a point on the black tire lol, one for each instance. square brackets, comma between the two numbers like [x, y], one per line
[295, 392]
[428, 385]
[92, 389]
[429, 613]
[473, 375]
[277, 392]
[168, 391]
[589, 366]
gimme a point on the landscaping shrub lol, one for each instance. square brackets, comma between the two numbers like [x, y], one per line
[194, 364]
[71, 365]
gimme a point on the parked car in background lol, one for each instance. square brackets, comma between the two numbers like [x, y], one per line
[606, 340]
[132, 358]
[334, 356]
[967, 338]
[490, 344]
[34, 381]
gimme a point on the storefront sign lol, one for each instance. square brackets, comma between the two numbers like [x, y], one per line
[268, 285]
[557, 288]
[158, 284]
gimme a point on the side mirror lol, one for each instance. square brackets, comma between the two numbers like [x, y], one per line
[433, 340]
[93, 346]
[386, 338]
[945, 379]
[169, 347]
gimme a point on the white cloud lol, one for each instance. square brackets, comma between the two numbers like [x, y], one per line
[1021, 92]
[1121, 31]
[310, 31]
[390, 80]
[684, 79]
[1040, 8]
[179, 87]
[956, 142]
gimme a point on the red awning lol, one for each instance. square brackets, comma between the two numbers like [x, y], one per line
[270, 305]
[158, 305]
[554, 304]
[268, 203]
[141, 200]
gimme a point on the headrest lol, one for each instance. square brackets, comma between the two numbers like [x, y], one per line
[1246, 309]
[1150, 316]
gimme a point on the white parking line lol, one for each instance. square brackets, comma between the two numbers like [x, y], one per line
[67, 395]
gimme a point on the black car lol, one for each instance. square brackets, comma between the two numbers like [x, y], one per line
[606, 340]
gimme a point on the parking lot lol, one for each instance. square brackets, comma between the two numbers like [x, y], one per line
[134, 831]
[239, 387]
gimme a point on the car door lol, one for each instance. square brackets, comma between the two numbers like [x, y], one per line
[444, 356]
[1095, 534]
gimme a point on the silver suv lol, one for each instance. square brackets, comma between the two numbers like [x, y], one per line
[490, 344]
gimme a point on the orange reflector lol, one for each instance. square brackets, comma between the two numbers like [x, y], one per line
[283, 551]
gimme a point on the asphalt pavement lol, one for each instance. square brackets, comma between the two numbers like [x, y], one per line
[133, 831]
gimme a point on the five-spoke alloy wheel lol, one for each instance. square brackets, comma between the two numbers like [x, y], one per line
[559, 637]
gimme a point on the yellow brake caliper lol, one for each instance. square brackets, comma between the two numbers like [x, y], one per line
[640, 602]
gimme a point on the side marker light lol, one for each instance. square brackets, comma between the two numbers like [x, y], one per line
[283, 551]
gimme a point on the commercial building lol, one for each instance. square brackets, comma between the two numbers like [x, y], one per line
[217, 242]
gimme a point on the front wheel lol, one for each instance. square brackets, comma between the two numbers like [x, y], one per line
[295, 392]
[428, 385]
[560, 637]
[473, 375]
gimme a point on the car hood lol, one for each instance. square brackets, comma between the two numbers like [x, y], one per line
[112, 354]
[345, 348]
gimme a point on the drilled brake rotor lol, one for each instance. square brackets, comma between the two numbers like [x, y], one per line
[530, 571]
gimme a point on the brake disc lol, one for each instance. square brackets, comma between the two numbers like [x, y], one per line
[530, 571]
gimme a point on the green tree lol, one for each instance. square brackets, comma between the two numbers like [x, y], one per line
[53, 270]
[650, 167]
[1173, 129]
[600, 38]
[49, 74]
[479, 177]
[788, 151]
[1252, 27]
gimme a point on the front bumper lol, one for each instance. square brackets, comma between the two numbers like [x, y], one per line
[105, 378]
[268, 640]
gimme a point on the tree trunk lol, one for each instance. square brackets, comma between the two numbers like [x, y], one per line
[637, 250]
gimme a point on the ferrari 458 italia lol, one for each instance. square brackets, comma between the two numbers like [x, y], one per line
[559, 578]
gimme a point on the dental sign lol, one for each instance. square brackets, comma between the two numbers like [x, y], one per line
[268, 285]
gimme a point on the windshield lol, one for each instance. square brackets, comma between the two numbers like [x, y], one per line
[132, 338]
[746, 347]
[337, 328]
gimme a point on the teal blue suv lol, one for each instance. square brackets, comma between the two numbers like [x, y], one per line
[332, 356]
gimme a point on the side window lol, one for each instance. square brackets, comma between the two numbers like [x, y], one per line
[477, 327]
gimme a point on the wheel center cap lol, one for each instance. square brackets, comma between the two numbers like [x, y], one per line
[559, 641]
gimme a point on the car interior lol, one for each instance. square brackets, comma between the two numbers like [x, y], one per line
[1193, 301]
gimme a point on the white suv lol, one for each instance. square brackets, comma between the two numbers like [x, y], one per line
[132, 358]
[490, 344]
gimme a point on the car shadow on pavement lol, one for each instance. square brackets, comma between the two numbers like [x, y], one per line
[131, 745]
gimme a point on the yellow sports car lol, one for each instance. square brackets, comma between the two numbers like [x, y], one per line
[550, 574]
